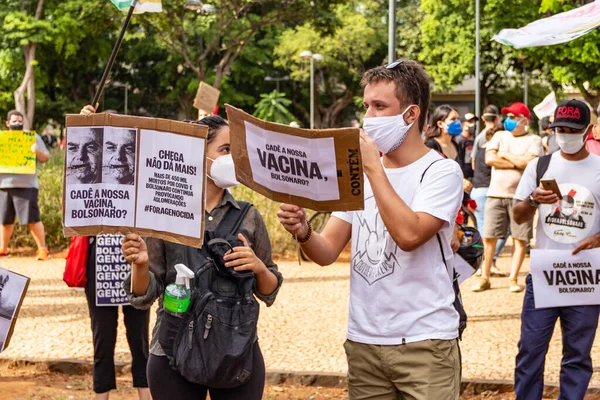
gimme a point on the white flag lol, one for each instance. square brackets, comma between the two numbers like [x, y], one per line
[559, 28]
[546, 107]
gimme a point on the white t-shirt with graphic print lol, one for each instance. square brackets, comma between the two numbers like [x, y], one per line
[396, 296]
[563, 225]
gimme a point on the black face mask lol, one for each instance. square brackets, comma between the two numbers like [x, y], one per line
[17, 126]
[472, 130]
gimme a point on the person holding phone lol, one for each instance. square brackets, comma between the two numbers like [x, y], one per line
[571, 224]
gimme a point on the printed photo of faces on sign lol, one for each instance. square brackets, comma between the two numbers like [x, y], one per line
[100, 176]
[12, 290]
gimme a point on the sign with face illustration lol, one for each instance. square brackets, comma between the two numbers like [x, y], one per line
[569, 220]
[130, 174]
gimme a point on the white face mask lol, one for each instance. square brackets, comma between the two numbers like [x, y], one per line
[387, 132]
[569, 143]
[222, 172]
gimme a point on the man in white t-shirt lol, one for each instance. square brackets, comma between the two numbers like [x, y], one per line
[508, 153]
[573, 224]
[402, 325]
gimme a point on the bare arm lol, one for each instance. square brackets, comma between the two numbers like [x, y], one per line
[493, 160]
[136, 253]
[409, 229]
[41, 155]
[524, 212]
[518, 161]
[324, 248]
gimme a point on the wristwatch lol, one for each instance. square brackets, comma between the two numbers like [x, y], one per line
[532, 202]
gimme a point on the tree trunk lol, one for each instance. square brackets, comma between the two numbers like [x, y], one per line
[331, 115]
[28, 84]
[590, 97]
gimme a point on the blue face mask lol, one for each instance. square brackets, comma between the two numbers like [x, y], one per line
[455, 128]
[510, 124]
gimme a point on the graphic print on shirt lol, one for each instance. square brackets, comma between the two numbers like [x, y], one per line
[373, 259]
[570, 219]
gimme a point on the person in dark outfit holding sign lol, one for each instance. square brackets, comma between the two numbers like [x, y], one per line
[104, 328]
[576, 173]
[403, 326]
[154, 259]
[104, 322]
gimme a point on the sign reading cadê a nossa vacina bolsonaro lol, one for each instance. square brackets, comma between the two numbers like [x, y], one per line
[320, 169]
[131, 174]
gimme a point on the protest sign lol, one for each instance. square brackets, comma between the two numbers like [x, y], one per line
[462, 268]
[207, 98]
[559, 28]
[546, 107]
[16, 156]
[561, 279]
[317, 169]
[130, 174]
[13, 288]
[111, 271]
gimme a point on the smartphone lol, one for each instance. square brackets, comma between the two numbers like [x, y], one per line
[550, 184]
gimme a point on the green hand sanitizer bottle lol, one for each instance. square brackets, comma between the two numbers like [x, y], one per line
[178, 294]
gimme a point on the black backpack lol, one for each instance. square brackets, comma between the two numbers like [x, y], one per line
[458, 304]
[212, 344]
[542, 167]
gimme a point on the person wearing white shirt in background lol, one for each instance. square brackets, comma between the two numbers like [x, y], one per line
[403, 327]
[577, 173]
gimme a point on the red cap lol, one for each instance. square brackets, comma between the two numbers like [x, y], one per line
[517, 108]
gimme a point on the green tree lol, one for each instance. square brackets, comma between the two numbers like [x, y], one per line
[208, 45]
[575, 63]
[274, 107]
[354, 45]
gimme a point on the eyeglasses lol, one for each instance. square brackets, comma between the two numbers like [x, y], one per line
[394, 65]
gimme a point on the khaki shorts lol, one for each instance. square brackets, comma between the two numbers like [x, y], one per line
[425, 370]
[498, 216]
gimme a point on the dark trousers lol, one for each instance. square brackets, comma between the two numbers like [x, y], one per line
[104, 329]
[578, 326]
[167, 384]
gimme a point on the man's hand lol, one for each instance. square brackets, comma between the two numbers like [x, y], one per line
[89, 110]
[293, 219]
[590, 243]
[369, 153]
[467, 185]
[542, 196]
[243, 258]
[135, 250]
[454, 242]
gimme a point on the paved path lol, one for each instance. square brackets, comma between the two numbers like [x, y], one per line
[303, 331]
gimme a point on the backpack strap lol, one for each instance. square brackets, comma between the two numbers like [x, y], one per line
[232, 220]
[542, 167]
[427, 169]
[458, 304]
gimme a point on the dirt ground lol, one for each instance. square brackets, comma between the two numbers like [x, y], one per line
[37, 383]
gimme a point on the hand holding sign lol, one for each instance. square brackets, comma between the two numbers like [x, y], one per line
[135, 250]
[293, 219]
[590, 243]
[371, 157]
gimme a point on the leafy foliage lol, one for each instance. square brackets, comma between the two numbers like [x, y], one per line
[274, 107]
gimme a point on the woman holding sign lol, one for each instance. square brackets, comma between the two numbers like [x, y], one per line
[153, 269]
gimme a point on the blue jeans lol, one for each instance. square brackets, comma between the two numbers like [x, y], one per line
[578, 325]
[480, 197]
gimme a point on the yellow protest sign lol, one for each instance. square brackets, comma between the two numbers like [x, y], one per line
[16, 156]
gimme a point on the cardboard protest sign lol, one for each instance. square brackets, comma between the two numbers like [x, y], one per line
[13, 288]
[316, 169]
[130, 174]
[561, 279]
[207, 98]
[111, 271]
[16, 156]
